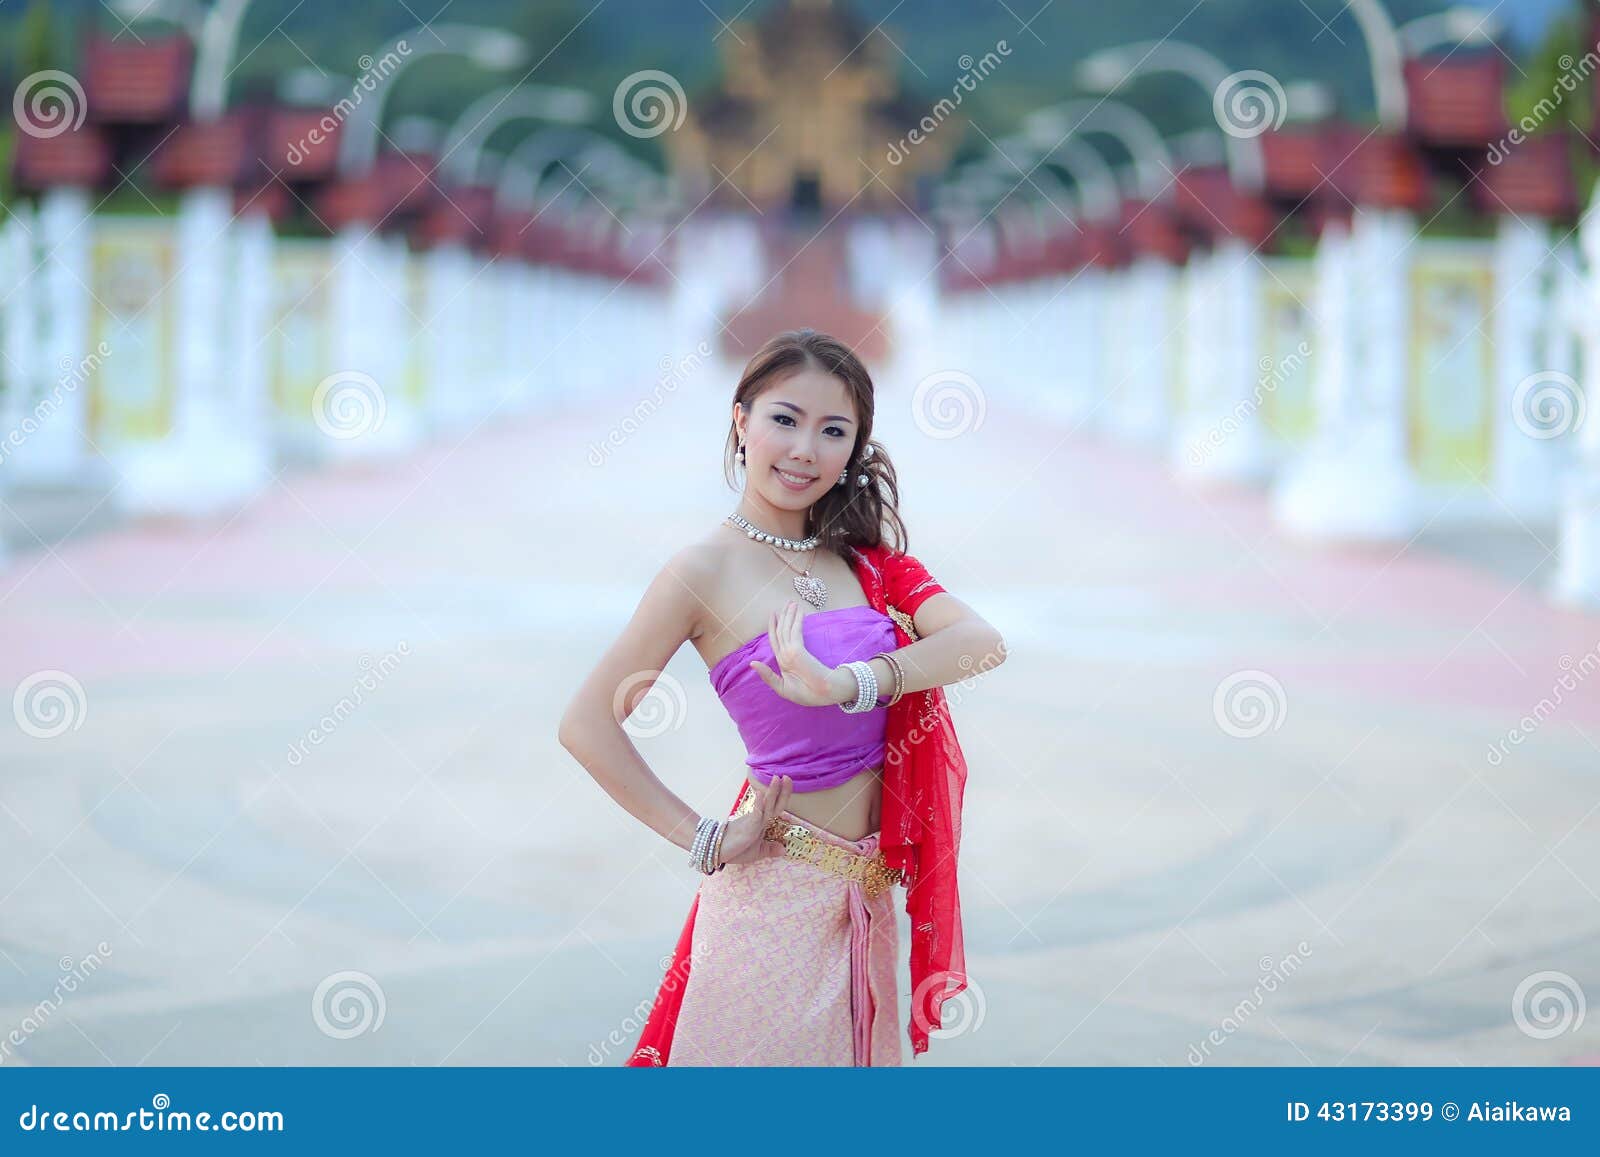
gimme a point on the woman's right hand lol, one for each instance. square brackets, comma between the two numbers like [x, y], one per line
[741, 841]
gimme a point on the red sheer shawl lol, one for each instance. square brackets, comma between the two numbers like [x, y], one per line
[924, 777]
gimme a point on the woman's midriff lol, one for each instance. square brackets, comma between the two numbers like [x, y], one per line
[852, 810]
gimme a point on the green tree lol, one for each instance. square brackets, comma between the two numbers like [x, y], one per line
[1557, 91]
[35, 41]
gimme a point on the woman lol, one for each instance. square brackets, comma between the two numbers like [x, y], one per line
[828, 648]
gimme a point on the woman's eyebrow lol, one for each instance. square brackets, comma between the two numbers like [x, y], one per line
[825, 417]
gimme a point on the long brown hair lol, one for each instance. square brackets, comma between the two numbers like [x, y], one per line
[851, 514]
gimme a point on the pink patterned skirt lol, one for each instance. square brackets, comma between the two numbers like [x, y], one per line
[792, 964]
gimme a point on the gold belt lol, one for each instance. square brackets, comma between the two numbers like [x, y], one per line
[801, 844]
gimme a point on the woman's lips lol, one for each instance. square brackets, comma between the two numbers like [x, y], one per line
[790, 484]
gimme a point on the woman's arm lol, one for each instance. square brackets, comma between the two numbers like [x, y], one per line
[954, 643]
[591, 726]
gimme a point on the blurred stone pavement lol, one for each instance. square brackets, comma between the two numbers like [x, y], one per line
[432, 879]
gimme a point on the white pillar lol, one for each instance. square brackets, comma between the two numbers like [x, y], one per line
[1143, 416]
[1197, 343]
[693, 298]
[1526, 469]
[18, 341]
[57, 452]
[1083, 378]
[251, 318]
[214, 457]
[1219, 436]
[19, 323]
[1577, 580]
[486, 356]
[530, 322]
[913, 294]
[448, 310]
[1123, 334]
[575, 334]
[1355, 482]
[395, 302]
[361, 407]
[511, 275]
[1045, 339]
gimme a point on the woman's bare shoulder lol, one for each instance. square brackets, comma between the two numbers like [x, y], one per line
[700, 566]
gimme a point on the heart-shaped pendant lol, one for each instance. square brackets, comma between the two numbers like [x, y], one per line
[813, 590]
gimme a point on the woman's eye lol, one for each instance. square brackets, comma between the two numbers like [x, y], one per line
[788, 420]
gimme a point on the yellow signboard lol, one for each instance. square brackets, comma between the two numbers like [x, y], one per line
[1450, 395]
[1288, 404]
[419, 336]
[1177, 327]
[132, 268]
[302, 315]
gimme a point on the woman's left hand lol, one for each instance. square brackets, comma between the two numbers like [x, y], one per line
[802, 678]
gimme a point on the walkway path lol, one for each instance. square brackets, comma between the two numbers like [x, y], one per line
[1132, 871]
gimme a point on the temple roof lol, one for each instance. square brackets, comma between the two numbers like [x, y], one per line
[791, 22]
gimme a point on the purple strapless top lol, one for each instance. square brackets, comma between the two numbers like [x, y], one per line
[818, 747]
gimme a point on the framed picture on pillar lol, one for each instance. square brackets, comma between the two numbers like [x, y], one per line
[416, 291]
[301, 312]
[1285, 362]
[132, 311]
[1450, 392]
[1173, 345]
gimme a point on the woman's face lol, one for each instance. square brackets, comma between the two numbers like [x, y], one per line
[798, 437]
